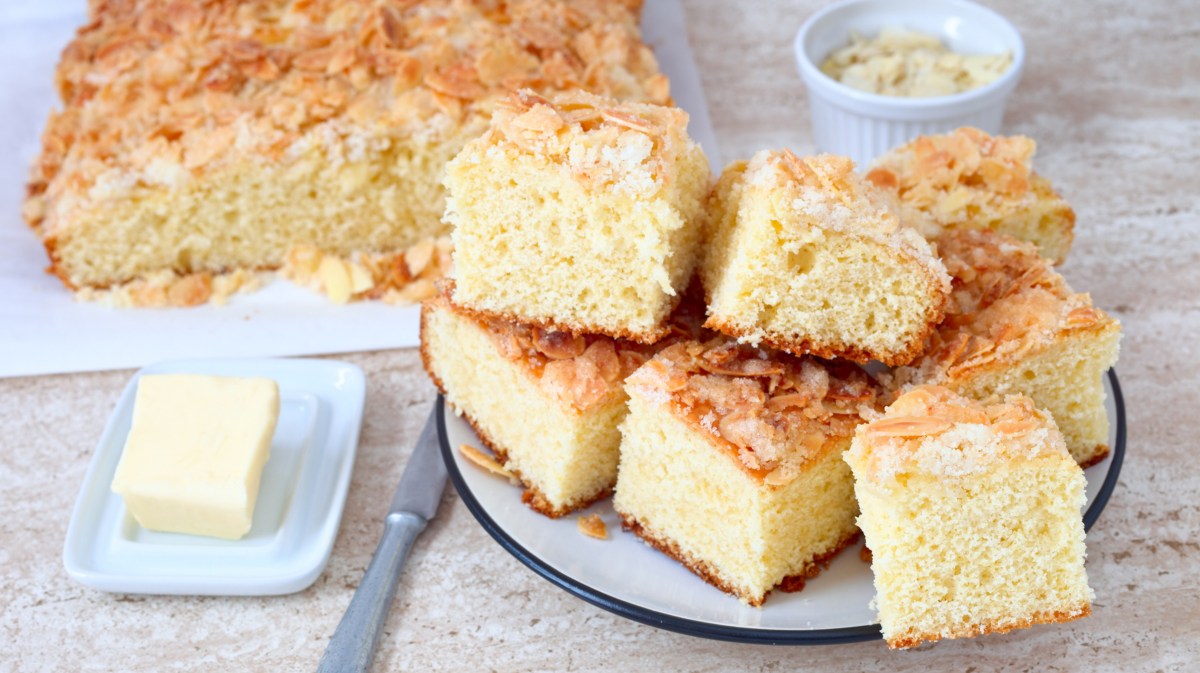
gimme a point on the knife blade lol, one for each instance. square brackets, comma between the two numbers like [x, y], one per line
[352, 646]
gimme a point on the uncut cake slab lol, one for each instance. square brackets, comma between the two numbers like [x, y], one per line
[626, 576]
[279, 319]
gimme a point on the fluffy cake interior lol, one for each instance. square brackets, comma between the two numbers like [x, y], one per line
[954, 559]
[566, 457]
[690, 497]
[972, 515]
[791, 265]
[590, 227]
[386, 197]
[968, 179]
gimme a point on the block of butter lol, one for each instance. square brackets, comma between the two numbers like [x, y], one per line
[195, 452]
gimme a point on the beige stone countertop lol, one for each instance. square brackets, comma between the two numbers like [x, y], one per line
[1112, 95]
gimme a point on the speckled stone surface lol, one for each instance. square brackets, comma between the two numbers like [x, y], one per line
[1111, 93]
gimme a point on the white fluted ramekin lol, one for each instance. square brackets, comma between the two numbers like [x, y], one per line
[863, 125]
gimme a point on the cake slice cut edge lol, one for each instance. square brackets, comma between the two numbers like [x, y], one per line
[564, 448]
[578, 211]
[809, 258]
[700, 481]
[973, 514]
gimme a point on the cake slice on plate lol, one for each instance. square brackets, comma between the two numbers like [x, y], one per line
[577, 212]
[731, 462]
[808, 257]
[968, 179]
[546, 403]
[972, 514]
[1015, 326]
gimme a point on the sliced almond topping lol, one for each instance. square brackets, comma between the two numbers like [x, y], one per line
[593, 526]
[191, 290]
[418, 256]
[628, 120]
[541, 118]
[334, 275]
[360, 279]
[1083, 316]
[910, 426]
[558, 345]
[484, 460]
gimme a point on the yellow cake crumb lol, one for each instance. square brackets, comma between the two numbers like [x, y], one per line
[808, 257]
[593, 526]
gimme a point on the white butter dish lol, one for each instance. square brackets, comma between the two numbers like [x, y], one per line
[299, 505]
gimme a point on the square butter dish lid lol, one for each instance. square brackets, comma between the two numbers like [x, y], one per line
[299, 504]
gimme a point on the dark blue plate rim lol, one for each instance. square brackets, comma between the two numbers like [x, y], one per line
[739, 634]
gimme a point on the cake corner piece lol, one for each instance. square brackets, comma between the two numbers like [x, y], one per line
[809, 257]
[968, 179]
[566, 388]
[972, 512]
[769, 465]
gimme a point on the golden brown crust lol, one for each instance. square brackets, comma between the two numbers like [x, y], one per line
[572, 129]
[1098, 454]
[967, 178]
[771, 413]
[703, 570]
[829, 351]
[530, 495]
[1049, 617]
[648, 338]
[1007, 301]
[926, 429]
[581, 371]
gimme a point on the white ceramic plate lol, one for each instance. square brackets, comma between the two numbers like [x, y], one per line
[627, 577]
[299, 503]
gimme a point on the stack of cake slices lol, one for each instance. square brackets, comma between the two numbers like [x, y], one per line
[576, 227]
[699, 353]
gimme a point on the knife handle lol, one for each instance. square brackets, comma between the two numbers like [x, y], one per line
[352, 647]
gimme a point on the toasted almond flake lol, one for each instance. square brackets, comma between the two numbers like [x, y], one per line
[418, 256]
[334, 275]
[628, 120]
[910, 426]
[541, 119]
[361, 279]
[484, 460]
[593, 526]
[558, 345]
[1083, 316]
[191, 290]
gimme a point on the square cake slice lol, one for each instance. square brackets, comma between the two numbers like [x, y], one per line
[970, 180]
[1015, 326]
[731, 462]
[201, 139]
[547, 403]
[808, 257]
[577, 212]
[972, 514]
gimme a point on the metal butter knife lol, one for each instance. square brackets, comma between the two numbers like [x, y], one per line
[352, 647]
